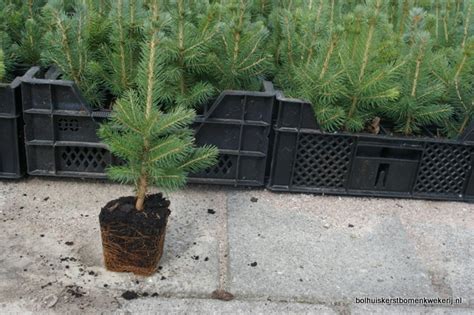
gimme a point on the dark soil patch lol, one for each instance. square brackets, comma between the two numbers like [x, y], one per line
[130, 295]
[46, 285]
[148, 221]
[69, 243]
[254, 264]
[75, 291]
[253, 199]
[211, 211]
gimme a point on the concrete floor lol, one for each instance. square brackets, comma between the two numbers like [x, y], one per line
[276, 253]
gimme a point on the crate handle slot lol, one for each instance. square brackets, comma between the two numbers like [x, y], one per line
[381, 178]
[388, 152]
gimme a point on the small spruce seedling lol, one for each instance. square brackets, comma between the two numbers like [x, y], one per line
[156, 147]
[419, 104]
[240, 58]
[122, 52]
[370, 82]
[456, 70]
[70, 41]
[301, 31]
[309, 66]
[184, 54]
[21, 20]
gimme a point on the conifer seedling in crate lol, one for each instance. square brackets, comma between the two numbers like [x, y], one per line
[2, 65]
[157, 149]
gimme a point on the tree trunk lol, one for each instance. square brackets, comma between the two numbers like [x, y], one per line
[141, 193]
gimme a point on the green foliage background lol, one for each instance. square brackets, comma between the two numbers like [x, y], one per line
[408, 62]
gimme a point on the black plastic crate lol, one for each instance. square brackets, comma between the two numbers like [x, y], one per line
[306, 159]
[57, 119]
[60, 128]
[238, 123]
[12, 155]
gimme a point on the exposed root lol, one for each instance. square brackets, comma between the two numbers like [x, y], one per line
[127, 250]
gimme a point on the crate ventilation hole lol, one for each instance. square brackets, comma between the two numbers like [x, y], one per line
[223, 166]
[85, 157]
[322, 161]
[68, 124]
[443, 169]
